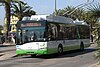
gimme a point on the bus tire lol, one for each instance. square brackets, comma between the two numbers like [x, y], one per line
[82, 46]
[60, 49]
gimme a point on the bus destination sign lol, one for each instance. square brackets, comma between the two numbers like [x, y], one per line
[30, 24]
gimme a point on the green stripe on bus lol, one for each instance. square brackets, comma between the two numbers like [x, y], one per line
[52, 50]
[44, 51]
[73, 47]
[67, 48]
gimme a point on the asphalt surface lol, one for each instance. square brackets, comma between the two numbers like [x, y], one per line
[68, 59]
[7, 48]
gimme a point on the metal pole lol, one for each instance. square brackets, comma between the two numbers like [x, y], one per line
[55, 9]
[87, 0]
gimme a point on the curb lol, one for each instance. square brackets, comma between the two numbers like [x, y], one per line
[6, 45]
[9, 43]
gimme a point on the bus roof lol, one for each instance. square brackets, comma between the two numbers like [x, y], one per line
[58, 19]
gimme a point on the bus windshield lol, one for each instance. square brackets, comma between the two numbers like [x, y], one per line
[30, 34]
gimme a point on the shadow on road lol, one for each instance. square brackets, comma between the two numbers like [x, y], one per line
[65, 54]
[77, 52]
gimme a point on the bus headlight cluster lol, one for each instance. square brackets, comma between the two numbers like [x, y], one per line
[42, 46]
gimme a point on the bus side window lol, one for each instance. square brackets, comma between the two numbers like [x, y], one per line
[52, 31]
[49, 32]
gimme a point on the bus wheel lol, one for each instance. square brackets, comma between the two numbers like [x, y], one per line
[60, 50]
[82, 46]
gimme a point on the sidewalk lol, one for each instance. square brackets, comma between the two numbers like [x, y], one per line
[9, 44]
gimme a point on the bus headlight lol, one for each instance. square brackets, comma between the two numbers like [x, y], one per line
[42, 46]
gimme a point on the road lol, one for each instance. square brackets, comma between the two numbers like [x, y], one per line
[68, 59]
[6, 48]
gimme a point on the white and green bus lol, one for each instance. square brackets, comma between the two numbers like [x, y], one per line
[43, 34]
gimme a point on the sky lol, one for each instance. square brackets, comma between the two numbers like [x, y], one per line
[45, 6]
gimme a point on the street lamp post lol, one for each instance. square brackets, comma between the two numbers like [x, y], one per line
[55, 9]
[87, 0]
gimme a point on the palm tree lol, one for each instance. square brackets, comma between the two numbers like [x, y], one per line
[8, 13]
[21, 9]
[95, 10]
[77, 14]
[7, 9]
[1, 28]
[95, 13]
[66, 10]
